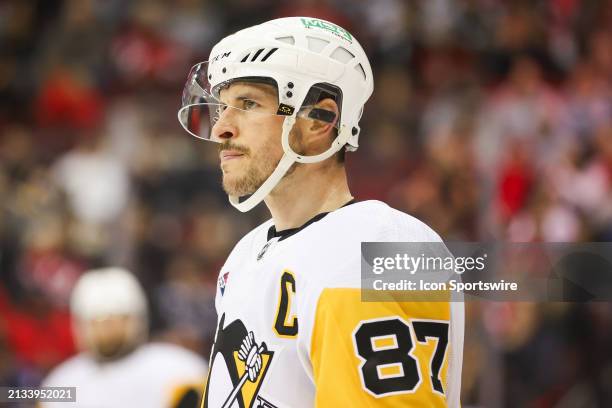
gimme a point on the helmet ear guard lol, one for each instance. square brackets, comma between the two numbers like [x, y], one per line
[316, 94]
[322, 115]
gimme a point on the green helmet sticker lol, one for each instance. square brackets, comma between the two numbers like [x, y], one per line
[334, 29]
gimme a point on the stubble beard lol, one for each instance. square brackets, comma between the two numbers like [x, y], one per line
[259, 168]
[249, 180]
[247, 184]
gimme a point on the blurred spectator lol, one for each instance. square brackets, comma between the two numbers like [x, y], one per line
[186, 305]
[38, 336]
[96, 184]
[68, 99]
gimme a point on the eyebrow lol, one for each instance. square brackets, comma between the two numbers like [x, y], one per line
[265, 88]
[247, 95]
[254, 91]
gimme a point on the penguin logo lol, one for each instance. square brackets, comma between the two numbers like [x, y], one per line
[238, 368]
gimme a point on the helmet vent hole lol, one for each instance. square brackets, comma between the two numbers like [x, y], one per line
[316, 44]
[359, 69]
[259, 51]
[288, 40]
[342, 54]
[272, 51]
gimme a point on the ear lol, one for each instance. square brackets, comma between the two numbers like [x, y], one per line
[321, 121]
[329, 110]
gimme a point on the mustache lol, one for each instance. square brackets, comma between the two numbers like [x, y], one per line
[228, 145]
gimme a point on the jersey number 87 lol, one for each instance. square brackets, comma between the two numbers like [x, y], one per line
[385, 348]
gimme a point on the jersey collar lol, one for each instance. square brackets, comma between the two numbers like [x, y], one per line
[284, 234]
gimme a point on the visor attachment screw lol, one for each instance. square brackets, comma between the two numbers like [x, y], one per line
[224, 70]
[290, 85]
[289, 94]
[209, 77]
[354, 131]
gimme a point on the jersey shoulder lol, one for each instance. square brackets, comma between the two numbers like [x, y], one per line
[385, 223]
[337, 241]
[70, 370]
[172, 357]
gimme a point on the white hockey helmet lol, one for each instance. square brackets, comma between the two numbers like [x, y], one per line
[109, 313]
[301, 56]
[100, 293]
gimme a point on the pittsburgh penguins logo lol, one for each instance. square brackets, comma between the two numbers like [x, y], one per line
[237, 369]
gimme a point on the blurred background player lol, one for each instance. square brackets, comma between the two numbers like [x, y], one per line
[116, 367]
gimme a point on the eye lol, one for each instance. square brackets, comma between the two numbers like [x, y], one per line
[249, 104]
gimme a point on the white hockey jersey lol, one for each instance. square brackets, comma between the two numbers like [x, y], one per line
[155, 375]
[293, 332]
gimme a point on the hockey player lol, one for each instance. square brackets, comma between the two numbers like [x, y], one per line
[116, 368]
[283, 100]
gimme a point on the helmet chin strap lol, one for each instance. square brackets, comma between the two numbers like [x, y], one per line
[285, 163]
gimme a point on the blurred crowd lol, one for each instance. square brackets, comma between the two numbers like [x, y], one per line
[490, 120]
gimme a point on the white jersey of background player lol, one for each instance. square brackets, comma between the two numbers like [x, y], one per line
[116, 368]
[283, 100]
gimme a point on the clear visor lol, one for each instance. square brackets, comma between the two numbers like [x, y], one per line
[204, 109]
[209, 121]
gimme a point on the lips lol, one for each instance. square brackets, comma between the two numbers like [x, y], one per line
[230, 155]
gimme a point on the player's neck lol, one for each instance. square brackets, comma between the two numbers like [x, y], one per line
[306, 193]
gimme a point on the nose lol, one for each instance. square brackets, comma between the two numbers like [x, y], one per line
[224, 128]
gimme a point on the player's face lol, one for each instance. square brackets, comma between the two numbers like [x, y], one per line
[250, 135]
[110, 337]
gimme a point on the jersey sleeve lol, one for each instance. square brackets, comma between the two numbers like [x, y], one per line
[385, 353]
